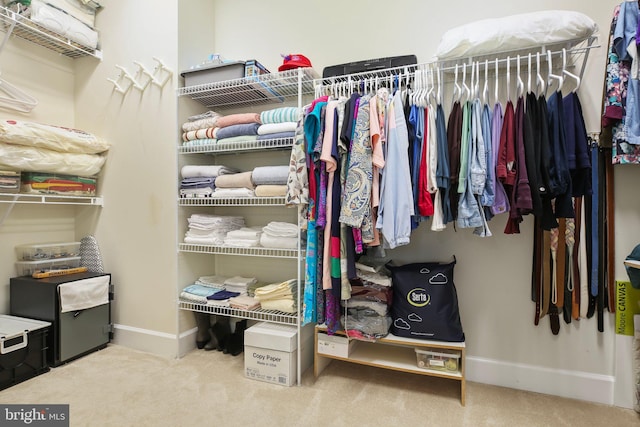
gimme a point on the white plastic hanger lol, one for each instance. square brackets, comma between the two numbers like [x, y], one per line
[539, 79]
[465, 88]
[485, 90]
[567, 73]
[529, 75]
[519, 82]
[439, 94]
[496, 86]
[457, 90]
[552, 76]
[508, 78]
[15, 99]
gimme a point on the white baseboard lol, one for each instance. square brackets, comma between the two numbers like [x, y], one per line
[557, 382]
[154, 342]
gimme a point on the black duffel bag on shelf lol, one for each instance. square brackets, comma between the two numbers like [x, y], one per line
[425, 302]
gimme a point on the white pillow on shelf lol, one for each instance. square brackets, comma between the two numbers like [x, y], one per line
[515, 32]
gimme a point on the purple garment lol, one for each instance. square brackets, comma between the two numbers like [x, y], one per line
[522, 193]
[500, 202]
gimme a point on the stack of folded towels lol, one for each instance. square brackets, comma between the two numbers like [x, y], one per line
[279, 296]
[211, 229]
[245, 237]
[200, 180]
[202, 288]
[234, 185]
[278, 123]
[279, 235]
[270, 181]
[239, 284]
[198, 129]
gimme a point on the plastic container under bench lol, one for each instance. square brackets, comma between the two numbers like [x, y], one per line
[47, 251]
[439, 360]
[23, 349]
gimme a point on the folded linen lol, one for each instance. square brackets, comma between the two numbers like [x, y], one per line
[266, 190]
[222, 295]
[194, 171]
[212, 281]
[205, 115]
[281, 229]
[199, 142]
[279, 135]
[268, 241]
[276, 290]
[239, 119]
[237, 130]
[244, 302]
[223, 193]
[280, 115]
[235, 180]
[198, 182]
[216, 220]
[189, 193]
[193, 298]
[200, 290]
[239, 280]
[245, 233]
[199, 134]
[277, 128]
[270, 175]
[205, 122]
[284, 305]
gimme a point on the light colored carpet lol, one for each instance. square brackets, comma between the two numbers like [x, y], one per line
[118, 386]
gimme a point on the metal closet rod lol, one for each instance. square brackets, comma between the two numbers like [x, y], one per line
[449, 65]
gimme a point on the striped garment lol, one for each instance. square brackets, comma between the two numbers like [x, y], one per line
[280, 115]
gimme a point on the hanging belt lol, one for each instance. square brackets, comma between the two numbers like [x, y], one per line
[536, 279]
[575, 309]
[546, 272]
[554, 322]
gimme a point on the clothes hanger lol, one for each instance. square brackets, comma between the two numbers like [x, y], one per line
[15, 99]
[485, 90]
[508, 78]
[552, 76]
[519, 82]
[472, 82]
[539, 80]
[439, 94]
[457, 90]
[567, 73]
[465, 88]
[496, 86]
[529, 74]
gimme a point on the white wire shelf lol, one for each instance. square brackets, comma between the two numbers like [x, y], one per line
[215, 147]
[255, 90]
[253, 251]
[51, 199]
[15, 24]
[246, 201]
[273, 316]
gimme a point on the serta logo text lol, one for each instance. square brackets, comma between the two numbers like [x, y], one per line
[418, 297]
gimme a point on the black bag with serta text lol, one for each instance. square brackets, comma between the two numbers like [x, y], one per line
[425, 302]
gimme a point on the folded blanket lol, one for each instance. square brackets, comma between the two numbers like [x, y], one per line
[198, 182]
[267, 190]
[235, 180]
[206, 122]
[284, 305]
[279, 135]
[238, 139]
[203, 291]
[237, 130]
[281, 229]
[193, 171]
[270, 175]
[207, 133]
[224, 193]
[277, 128]
[238, 119]
[268, 241]
[31, 159]
[280, 115]
[276, 290]
[244, 302]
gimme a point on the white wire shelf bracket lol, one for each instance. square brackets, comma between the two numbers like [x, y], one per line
[245, 201]
[255, 90]
[51, 199]
[253, 251]
[273, 316]
[214, 147]
[12, 23]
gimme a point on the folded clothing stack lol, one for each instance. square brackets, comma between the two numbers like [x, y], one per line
[234, 185]
[245, 237]
[211, 229]
[278, 123]
[197, 293]
[244, 302]
[213, 281]
[270, 181]
[281, 296]
[200, 180]
[239, 284]
[279, 235]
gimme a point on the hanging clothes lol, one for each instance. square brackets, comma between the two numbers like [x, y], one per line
[443, 170]
[454, 137]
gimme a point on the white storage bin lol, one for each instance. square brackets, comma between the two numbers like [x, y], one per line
[438, 359]
[47, 251]
[27, 268]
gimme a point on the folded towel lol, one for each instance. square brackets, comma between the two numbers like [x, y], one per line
[223, 193]
[205, 115]
[242, 139]
[199, 142]
[244, 302]
[245, 233]
[83, 294]
[238, 119]
[236, 180]
[277, 128]
[270, 175]
[280, 115]
[281, 229]
[279, 135]
[194, 171]
[268, 241]
[284, 305]
[194, 298]
[222, 295]
[199, 134]
[200, 290]
[212, 280]
[198, 182]
[206, 122]
[270, 190]
[237, 130]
